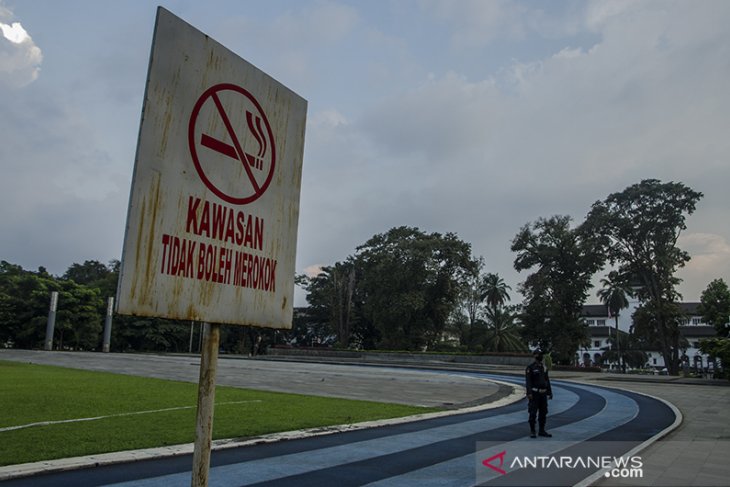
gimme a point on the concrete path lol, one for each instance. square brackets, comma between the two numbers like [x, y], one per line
[395, 385]
[697, 453]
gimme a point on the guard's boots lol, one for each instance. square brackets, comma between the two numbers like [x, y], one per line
[532, 430]
[544, 433]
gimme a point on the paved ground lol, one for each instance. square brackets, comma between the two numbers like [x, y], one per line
[695, 454]
[402, 386]
[698, 452]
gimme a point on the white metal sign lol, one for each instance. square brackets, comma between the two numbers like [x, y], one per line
[214, 206]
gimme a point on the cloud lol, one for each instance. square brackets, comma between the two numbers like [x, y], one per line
[295, 43]
[440, 118]
[477, 22]
[58, 180]
[710, 259]
[313, 270]
[710, 254]
[484, 156]
[20, 58]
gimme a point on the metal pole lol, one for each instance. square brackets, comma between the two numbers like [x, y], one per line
[108, 325]
[51, 321]
[206, 402]
[618, 348]
[190, 348]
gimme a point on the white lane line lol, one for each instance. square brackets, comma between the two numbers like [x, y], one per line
[95, 418]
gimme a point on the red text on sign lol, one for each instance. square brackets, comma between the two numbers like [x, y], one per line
[222, 223]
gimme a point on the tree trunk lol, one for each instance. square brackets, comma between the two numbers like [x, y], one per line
[618, 345]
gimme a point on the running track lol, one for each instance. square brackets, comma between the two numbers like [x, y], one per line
[584, 419]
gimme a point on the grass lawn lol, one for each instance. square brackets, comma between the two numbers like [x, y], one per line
[38, 393]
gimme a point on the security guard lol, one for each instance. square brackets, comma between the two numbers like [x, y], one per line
[539, 391]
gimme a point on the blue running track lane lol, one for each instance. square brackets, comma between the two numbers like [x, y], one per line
[433, 452]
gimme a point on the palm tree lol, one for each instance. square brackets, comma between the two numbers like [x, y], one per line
[613, 295]
[503, 335]
[632, 355]
[493, 290]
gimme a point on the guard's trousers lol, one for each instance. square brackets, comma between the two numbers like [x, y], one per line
[538, 407]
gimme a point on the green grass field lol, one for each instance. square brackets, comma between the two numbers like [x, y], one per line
[34, 394]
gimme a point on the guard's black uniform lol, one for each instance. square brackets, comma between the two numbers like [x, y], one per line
[538, 387]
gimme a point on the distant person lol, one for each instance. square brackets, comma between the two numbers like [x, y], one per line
[539, 391]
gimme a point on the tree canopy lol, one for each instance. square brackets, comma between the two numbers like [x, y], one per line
[715, 306]
[563, 261]
[642, 225]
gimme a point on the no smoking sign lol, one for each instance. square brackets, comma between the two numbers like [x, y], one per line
[211, 230]
[231, 144]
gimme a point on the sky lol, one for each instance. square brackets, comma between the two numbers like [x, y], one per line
[472, 117]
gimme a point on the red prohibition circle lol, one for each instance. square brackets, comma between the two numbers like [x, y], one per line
[235, 151]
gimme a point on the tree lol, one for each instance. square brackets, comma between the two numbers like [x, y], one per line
[410, 284]
[613, 295]
[330, 296]
[641, 225]
[718, 348]
[472, 293]
[564, 260]
[494, 292]
[715, 306]
[94, 274]
[24, 301]
[630, 354]
[79, 319]
[503, 334]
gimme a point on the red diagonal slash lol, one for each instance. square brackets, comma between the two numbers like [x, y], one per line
[239, 152]
[487, 463]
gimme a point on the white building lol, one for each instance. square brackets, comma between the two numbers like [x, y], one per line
[602, 327]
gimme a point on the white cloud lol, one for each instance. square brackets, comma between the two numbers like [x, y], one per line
[710, 259]
[327, 119]
[478, 22]
[710, 253]
[599, 13]
[15, 33]
[313, 270]
[20, 58]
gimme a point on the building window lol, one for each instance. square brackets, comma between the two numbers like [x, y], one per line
[601, 322]
[591, 322]
[597, 343]
[654, 360]
[696, 321]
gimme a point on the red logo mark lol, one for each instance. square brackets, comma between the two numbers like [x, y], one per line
[498, 469]
[251, 145]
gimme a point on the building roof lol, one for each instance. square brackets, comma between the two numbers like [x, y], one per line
[689, 308]
[602, 331]
[595, 311]
[697, 331]
[691, 331]
[601, 310]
